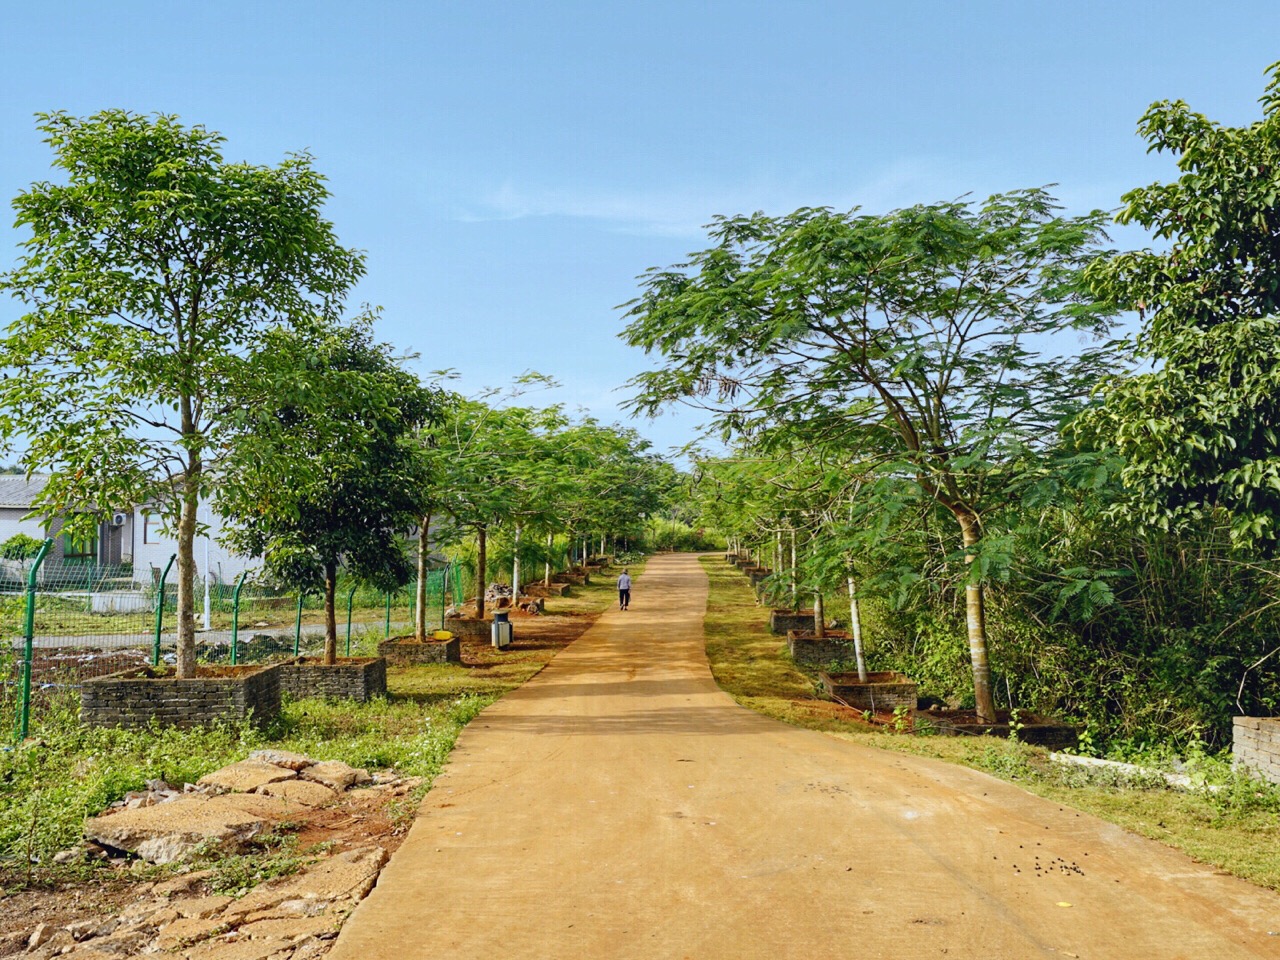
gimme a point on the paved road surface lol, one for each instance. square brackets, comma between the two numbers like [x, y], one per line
[621, 806]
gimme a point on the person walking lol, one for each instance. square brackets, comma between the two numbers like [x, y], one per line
[624, 589]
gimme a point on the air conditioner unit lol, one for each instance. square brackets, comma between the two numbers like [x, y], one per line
[118, 519]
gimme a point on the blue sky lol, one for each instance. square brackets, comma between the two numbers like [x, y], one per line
[510, 168]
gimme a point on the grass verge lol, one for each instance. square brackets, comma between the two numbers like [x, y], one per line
[1235, 828]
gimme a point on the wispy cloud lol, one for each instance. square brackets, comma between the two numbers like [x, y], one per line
[683, 210]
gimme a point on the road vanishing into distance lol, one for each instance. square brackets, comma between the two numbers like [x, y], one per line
[619, 805]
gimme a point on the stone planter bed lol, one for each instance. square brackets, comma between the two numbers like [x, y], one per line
[133, 698]
[351, 678]
[886, 690]
[1036, 730]
[541, 589]
[467, 626]
[810, 651]
[408, 651]
[784, 621]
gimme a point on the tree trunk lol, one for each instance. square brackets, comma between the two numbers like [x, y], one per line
[482, 560]
[819, 616]
[855, 627]
[420, 611]
[515, 569]
[976, 620]
[330, 614]
[546, 566]
[795, 587]
[186, 665]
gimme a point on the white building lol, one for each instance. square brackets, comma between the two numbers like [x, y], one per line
[131, 535]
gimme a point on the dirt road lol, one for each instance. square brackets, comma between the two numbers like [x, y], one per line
[620, 806]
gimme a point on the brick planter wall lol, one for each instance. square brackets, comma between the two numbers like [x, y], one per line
[467, 627]
[784, 621]
[757, 574]
[809, 651]
[406, 651]
[1255, 746]
[351, 678]
[886, 690]
[540, 589]
[133, 698]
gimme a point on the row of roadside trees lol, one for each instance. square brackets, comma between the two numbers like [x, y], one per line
[933, 401]
[185, 341]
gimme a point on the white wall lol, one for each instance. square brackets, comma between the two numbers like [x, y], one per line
[226, 566]
[11, 523]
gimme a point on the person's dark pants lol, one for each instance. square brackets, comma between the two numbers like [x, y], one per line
[624, 599]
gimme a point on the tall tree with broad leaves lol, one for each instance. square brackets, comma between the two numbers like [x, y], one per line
[364, 491]
[150, 276]
[1198, 433]
[917, 333]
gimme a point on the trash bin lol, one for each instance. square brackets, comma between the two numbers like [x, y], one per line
[501, 629]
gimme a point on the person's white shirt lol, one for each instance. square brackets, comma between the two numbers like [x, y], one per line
[624, 581]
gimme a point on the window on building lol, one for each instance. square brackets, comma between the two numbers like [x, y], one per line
[80, 549]
[151, 528]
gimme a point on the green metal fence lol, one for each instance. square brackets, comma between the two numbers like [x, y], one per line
[62, 623]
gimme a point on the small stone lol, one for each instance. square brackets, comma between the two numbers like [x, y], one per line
[335, 774]
[41, 935]
[282, 758]
[189, 930]
[307, 792]
[187, 883]
[246, 776]
[82, 930]
[70, 855]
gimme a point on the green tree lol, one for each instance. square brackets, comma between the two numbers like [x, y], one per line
[150, 277]
[1198, 432]
[915, 334]
[364, 491]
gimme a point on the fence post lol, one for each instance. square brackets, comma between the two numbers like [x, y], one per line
[444, 593]
[28, 636]
[235, 619]
[297, 628]
[350, 597]
[387, 632]
[155, 646]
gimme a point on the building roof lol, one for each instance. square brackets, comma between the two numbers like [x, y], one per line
[20, 492]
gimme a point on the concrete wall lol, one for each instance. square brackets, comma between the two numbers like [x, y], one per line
[1255, 746]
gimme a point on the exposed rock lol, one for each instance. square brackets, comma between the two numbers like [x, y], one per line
[348, 874]
[71, 854]
[292, 929]
[189, 930]
[309, 793]
[41, 935]
[171, 831]
[221, 949]
[282, 758]
[246, 776]
[335, 774]
[84, 929]
[180, 886]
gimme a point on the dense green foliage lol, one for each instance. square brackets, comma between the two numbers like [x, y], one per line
[151, 277]
[1125, 521]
